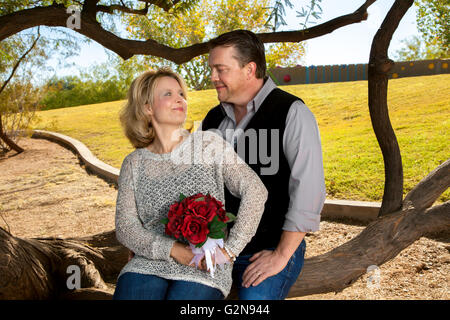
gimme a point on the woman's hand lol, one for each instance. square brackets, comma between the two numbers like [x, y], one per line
[224, 259]
[130, 255]
[182, 253]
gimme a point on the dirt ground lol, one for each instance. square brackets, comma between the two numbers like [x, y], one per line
[44, 192]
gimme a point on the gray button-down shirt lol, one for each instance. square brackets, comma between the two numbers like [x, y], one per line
[303, 151]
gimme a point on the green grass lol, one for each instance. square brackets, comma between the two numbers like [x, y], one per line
[419, 109]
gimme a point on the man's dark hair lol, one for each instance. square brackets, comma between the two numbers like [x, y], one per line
[248, 47]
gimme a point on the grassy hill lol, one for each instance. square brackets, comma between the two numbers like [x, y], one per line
[419, 109]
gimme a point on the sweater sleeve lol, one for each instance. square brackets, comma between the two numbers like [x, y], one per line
[129, 228]
[245, 184]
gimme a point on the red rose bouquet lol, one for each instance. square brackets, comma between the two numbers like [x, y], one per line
[200, 220]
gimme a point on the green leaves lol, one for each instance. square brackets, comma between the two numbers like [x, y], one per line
[230, 216]
[201, 244]
[164, 220]
[216, 228]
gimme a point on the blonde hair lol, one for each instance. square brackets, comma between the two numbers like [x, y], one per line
[136, 124]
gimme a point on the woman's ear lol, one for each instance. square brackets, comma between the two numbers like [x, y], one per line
[148, 109]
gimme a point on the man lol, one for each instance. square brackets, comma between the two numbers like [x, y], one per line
[252, 106]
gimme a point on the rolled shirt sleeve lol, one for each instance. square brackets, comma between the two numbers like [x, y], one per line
[303, 151]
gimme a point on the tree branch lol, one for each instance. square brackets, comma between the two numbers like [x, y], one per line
[435, 219]
[379, 242]
[16, 65]
[110, 9]
[56, 16]
[322, 29]
[425, 193]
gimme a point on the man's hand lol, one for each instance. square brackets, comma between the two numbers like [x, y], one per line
[265, 264]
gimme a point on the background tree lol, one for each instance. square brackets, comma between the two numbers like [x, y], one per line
[18, 98]
[433, 24]
[108, 81]
[201, 22]
[22, 57]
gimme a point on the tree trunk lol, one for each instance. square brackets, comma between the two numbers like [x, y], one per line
[379, 66]
[7, 140]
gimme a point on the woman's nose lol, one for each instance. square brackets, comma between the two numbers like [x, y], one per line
[180, 98]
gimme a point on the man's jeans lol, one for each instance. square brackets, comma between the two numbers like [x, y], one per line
[136, 286]
[275, 287]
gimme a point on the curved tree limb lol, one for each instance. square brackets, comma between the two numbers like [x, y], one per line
[427, 191]
[379, 66]
[37, 268]
[436, 218]
[379, 242]
[56, 16]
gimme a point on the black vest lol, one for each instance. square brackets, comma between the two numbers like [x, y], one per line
[270, 115]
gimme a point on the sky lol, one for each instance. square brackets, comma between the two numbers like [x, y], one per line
[351, 44]
[347, 45]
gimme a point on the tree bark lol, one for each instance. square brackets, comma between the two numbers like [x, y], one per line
[379, 66]
[37, 268]
[379, 242]
[429, 189]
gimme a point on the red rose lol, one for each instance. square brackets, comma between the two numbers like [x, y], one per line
[176, 209]
[174, 226]
[195, 229]
[204, 210]
[222, 214]
[198, 206]
[217, 207]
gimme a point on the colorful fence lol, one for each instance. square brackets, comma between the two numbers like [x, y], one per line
[354, 72]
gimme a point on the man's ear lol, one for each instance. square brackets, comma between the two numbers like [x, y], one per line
[251, 70]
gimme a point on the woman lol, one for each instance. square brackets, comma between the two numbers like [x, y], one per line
[168, 161]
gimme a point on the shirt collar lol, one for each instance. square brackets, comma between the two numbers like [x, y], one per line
[257, 101]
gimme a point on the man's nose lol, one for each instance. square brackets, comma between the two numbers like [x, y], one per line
[214, 76]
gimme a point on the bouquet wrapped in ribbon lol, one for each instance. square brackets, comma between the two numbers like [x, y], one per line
[201, 221]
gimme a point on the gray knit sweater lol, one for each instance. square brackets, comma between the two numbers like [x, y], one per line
[149, 183]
